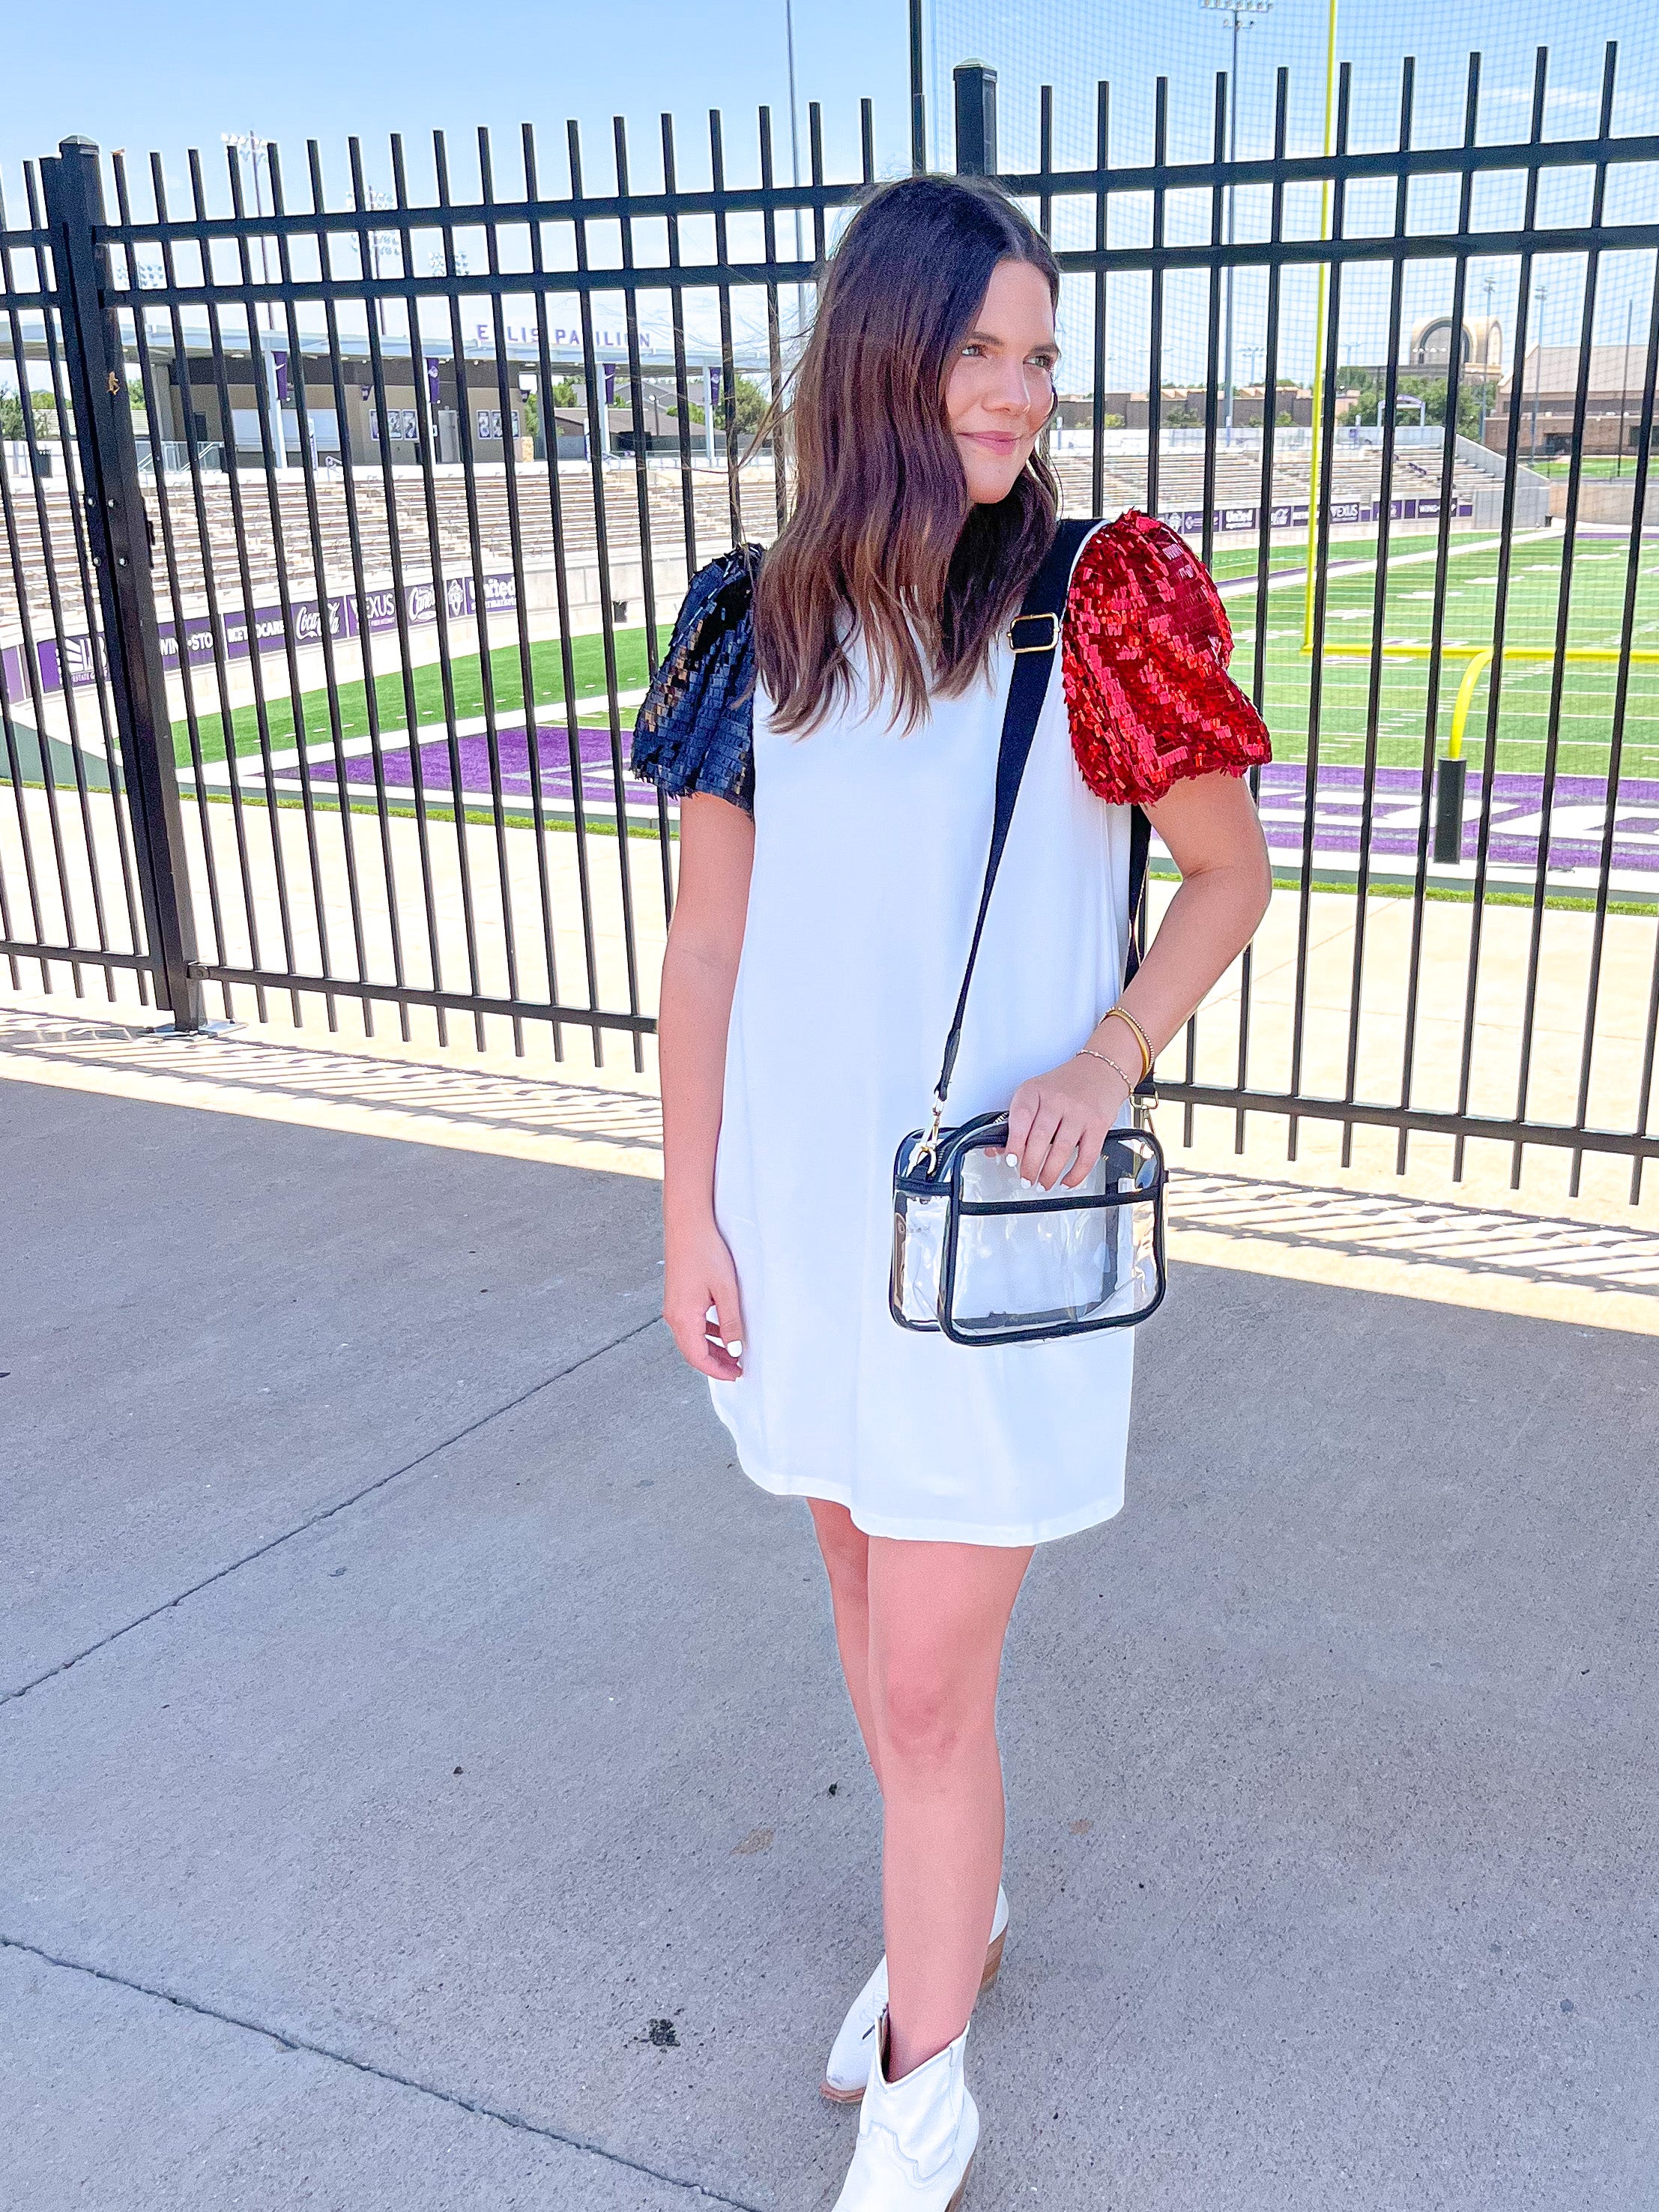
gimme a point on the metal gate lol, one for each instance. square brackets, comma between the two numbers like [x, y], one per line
[344, 523]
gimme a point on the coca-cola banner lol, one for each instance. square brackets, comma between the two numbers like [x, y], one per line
[265, 631]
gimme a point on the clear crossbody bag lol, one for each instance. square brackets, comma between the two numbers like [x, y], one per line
[976, 1258]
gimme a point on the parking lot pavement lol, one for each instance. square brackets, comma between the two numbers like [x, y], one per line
[428, 1783]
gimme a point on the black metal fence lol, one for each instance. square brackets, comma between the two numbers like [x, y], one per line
[343, 531]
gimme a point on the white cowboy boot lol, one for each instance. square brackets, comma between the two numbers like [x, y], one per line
[849, 2055]
[917, 2137]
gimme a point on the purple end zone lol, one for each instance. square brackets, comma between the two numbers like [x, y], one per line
[513, 754]
[1577, 816]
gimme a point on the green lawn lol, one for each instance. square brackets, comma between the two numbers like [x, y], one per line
[1598, 587]
[1599, 465]
[587, 657]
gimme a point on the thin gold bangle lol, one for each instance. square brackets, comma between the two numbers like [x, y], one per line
[1088, 1052]
[1147, 1055]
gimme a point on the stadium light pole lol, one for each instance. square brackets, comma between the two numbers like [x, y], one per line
[1315, 423]
[1538, 348]
[1237, 15]
[794, 154]
[251, 143]
[1486, 360]
[1624, 390]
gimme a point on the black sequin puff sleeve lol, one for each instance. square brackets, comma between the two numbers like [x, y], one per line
[695, 730]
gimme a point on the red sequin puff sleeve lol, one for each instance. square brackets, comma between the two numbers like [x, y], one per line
[1146, 642]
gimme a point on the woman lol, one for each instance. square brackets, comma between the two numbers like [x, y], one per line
[829, 717]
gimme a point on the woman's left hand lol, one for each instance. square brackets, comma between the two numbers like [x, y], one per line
[1058, 1123]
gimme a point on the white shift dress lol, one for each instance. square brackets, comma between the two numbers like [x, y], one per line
[870, 851]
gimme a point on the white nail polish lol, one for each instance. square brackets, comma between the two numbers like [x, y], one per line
[735, 1348]
[1025, 1182]
[1013, 1159]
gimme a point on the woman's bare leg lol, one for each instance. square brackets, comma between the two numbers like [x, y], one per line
[938, 1616]
[845, 1551]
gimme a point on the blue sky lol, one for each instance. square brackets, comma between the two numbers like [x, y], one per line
[144, 76]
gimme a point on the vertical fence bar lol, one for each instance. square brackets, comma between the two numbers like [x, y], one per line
[561, 593]
[119, 534]
[1264, 545]
[1616, 747]
[245, 582]
[360, 594]
[1319, 525]
[30, 656]
[1563, 612]
[1500, 606]
[75, 492]
[1438, 623]
[1379, 605]
[1155, 326]
[481, 626]
[368, 255]
[320, 577]
[153, 414]
[425, 373]
[273, 448]
[210, 591]
[594, 379]
[504, 399]
[8, 731]
[1097, 412]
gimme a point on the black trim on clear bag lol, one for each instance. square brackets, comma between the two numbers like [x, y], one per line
[1131, 1155]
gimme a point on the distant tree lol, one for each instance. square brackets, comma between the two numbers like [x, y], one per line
[750, 406]
[1370, 389]
[1111, 421]
[42, 404]
[1180, 417]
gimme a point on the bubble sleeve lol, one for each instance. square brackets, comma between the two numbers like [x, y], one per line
[1145, 651]
[694, 731]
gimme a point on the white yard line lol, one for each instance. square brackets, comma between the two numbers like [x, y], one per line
[1295, 580]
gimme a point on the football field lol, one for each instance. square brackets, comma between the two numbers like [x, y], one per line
[1600, 577]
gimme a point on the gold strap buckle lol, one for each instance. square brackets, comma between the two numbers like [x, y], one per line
[928, 1148]
[1041, 645]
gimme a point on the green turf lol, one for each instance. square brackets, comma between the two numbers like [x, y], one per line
[1600, 571]
[547, 673]
[1232, 561]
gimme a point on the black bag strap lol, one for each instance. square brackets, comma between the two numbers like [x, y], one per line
[1140, 851]
[1034, 634]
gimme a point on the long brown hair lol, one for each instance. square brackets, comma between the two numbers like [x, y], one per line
[884, 540]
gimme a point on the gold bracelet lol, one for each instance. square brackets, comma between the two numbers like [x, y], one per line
[1147, 1055]
[1088, 1052]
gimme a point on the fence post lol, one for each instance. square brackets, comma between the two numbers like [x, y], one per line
[118, 532]
[975, 88]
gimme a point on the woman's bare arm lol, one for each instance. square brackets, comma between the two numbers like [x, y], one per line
[1214, 836]
[699, 972]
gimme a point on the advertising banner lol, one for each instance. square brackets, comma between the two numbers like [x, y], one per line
[265, 631]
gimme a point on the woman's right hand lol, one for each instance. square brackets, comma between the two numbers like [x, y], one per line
[699, 1278]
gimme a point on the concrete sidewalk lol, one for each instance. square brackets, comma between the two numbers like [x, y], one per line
[428, 1785]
